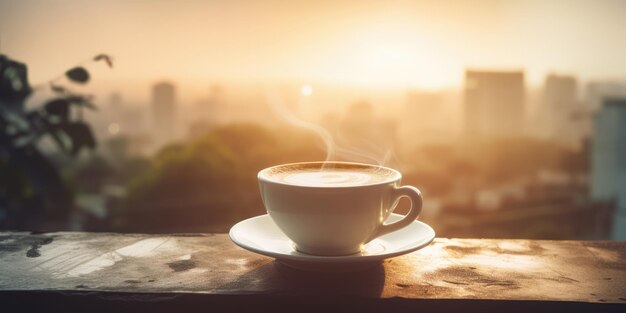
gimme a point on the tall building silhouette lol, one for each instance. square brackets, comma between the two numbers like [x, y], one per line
[494, 103]
[608, 160]
[598, 91]
[595, 94]
[164, 112]
[560, 108]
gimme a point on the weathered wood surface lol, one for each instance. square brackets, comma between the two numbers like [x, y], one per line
[196, 265]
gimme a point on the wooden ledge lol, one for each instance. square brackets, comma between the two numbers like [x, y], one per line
[103, 271]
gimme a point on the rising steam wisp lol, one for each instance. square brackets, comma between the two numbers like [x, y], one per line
[278, 105]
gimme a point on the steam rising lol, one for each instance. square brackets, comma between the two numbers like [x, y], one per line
[362, 150]
[350, 148]
[280, 107]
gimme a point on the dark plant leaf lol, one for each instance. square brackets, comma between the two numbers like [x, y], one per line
[78, 74]
[80, 135]
[14, 86]
[40, 172]
[61, 140]
[58, 107]
[32, 115]
[14, 76]
[104, 57]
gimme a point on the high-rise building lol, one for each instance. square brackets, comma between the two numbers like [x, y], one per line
[595, 93]
[598, 91]
[560, 110]
[164, 112]
[494, 103]
[608, 160]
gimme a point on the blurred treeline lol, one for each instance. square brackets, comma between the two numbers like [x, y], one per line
[205, 184]
[208, 183]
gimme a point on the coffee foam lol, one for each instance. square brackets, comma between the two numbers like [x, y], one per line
[331, 175]
[327, 178]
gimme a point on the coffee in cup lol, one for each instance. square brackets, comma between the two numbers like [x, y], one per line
[334, 208]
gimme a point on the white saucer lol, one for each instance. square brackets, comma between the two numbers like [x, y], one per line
[259, 234]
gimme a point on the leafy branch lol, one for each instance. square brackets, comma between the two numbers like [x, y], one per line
[25, 128]
[31, 187]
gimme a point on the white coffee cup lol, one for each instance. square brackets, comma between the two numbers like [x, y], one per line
[324, 215]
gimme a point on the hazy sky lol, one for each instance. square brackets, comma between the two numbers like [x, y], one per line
[386, 43]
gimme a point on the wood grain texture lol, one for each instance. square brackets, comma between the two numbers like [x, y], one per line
[211, 265]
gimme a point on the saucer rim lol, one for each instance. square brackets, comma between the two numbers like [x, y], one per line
[332, 259]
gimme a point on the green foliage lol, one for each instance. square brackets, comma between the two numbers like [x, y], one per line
[210, 182]
[31, 188]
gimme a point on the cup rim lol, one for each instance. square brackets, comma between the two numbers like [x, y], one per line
[393, 178]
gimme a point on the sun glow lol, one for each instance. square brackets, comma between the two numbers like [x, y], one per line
[306, 90]
[390, 55]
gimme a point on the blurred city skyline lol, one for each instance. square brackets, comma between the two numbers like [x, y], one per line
[373, 44]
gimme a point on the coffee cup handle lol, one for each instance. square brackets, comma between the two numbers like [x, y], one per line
[416, 208]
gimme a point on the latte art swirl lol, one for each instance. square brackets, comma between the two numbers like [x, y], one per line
[328, 178]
